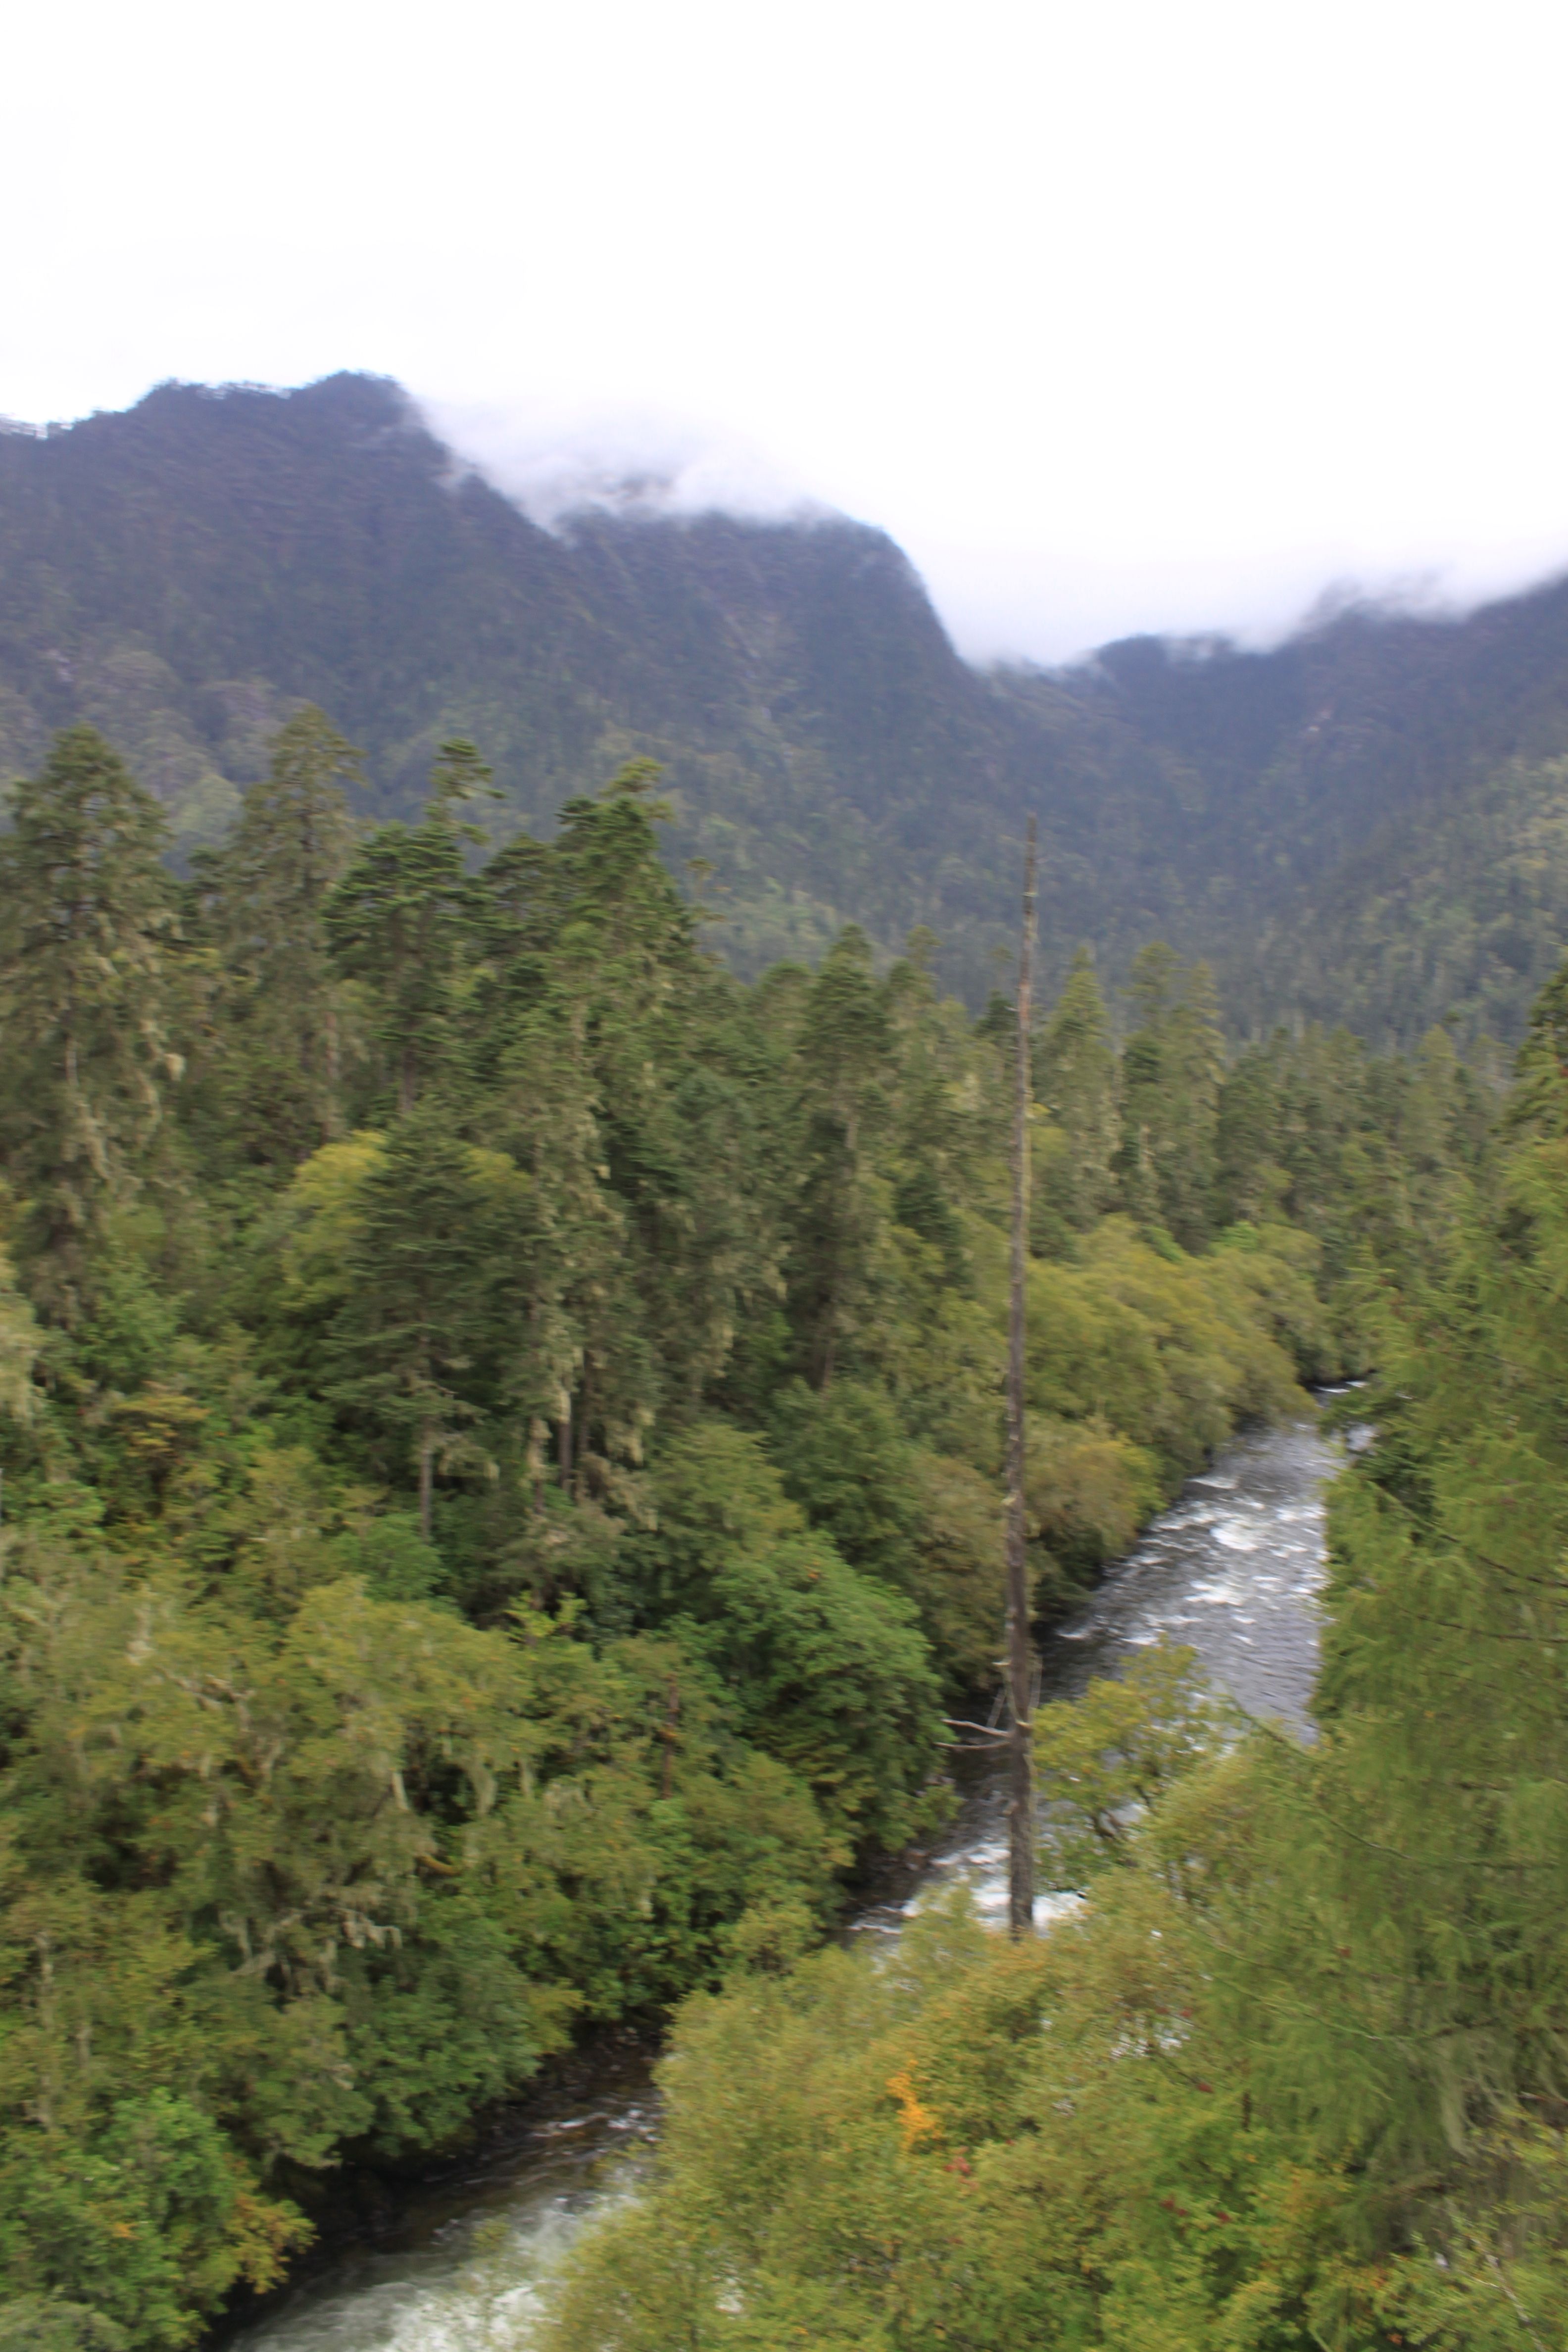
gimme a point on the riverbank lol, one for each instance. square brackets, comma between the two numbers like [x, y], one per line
[1231, 1570]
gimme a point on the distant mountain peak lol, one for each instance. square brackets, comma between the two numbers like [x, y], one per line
[1369, 821]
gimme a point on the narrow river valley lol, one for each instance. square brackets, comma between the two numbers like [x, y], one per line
[1232, 1569]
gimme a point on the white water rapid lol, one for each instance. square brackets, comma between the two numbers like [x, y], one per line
[1231, 1570]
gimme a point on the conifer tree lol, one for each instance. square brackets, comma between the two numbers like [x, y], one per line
[408, 1346]
[1075, 1076]
[1171, 1071]
[669, 1068]
[401, 921]
[267, 891]
[88, 1043]
[1249, 1134]
[843, 1052]
[577, 1369]
[1441, 1120]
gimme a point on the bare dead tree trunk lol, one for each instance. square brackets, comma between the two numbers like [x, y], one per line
[1020, 1732]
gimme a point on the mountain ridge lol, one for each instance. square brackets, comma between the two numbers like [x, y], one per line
[186, 572]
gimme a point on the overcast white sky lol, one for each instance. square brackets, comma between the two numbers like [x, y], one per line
[1119, 315]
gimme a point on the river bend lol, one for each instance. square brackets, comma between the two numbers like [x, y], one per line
[1232, 1569]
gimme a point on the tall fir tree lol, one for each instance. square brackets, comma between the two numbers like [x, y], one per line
[88, 1038]
[1075, 1064]
[401, 921]
[842, 1204]
[671, 1065]
[1171, 1073]
[265, 894]
[408, 1348]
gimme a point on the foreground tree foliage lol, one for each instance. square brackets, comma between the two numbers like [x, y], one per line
[1290, 2076]
[500, 1428]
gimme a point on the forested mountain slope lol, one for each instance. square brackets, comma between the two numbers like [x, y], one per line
[1365, 823]
[185, 573]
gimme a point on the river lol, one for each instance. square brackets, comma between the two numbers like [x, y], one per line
[1231, 1570]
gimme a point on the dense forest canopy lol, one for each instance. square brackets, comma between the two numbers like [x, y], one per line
[501, 1421]
[1363, 824]
[1293, 2076]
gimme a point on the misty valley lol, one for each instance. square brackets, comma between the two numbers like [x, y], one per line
[585, 1370]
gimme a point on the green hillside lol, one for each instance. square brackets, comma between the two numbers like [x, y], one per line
[1360, 824]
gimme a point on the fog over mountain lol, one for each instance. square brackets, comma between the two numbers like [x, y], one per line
[555, 460]
[1117, 320]
[1046, 594]
[1367, 820]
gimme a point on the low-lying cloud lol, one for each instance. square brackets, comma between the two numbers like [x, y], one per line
[555, 462]
[1000, 600]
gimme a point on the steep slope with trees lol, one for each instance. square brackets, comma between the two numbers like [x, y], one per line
[1367, 823]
